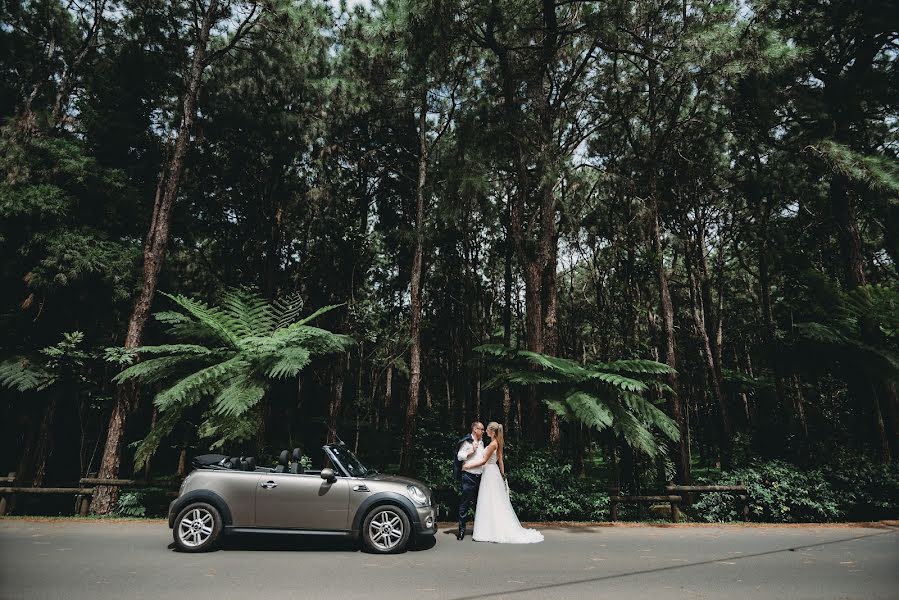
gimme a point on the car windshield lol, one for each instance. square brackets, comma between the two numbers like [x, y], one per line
[349, 461]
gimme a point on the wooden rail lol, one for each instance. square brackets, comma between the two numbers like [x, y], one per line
[673, 500]
[82, 494]
[741, 491]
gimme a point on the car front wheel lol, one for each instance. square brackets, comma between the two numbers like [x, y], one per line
[197, 528]
[386, 530]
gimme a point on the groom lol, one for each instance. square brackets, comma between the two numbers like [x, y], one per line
[468, 448]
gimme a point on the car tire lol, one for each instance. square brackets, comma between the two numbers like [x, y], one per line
[197, 528]
[386, 530]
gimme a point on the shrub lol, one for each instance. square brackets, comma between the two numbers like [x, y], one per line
[850, 487]
[131, 505]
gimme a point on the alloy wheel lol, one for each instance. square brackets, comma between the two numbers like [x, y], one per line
[385, 530]
[196, 527]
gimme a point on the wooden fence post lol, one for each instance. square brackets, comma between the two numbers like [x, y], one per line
[84, 501]
[4, 503]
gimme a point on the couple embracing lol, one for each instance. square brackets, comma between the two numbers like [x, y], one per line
[483, 483]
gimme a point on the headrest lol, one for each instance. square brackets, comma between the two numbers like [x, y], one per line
[283, 457]
[250, 463]
[234, 463]
[297, 454]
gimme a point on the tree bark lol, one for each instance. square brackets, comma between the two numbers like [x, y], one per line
[45, 438]
[847, 229]
[127, 398]
[415, 290]
[336, 401]
[675, 402]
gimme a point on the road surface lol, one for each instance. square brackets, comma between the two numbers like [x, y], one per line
[71, 559]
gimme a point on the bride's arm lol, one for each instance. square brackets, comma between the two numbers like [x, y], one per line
[487, 454]
[499, 460]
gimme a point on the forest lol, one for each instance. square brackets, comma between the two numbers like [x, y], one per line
[658, 240]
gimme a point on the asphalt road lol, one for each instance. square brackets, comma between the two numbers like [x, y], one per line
[84, 559]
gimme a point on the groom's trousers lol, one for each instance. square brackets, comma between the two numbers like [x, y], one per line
[470, 485]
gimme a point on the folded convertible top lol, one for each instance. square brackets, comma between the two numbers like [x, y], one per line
[209, 460]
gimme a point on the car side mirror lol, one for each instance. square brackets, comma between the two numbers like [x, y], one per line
[328, 475]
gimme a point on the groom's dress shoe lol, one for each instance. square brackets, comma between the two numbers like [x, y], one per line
[461, 535]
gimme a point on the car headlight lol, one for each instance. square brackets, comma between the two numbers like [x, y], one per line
[417, 495]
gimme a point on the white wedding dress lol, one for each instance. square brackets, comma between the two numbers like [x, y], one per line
[494, 518]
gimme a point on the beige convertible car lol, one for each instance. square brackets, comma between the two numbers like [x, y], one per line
[226, 495]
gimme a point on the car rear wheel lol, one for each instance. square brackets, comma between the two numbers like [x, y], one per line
[386, 530]
[197, 528]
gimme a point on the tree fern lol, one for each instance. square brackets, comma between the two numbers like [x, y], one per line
[21, 374]
[616, 395]
[226, 356]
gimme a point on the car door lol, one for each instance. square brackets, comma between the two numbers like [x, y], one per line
[288, 501]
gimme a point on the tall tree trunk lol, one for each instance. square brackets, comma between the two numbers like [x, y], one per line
[44, 446]
[676, 401]
[126, 400]
[335, 402]
[416, 289]
[507, 312]
[700, 322]
[847, 229]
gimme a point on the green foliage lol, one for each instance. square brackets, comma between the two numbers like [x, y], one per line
[64, 361]
[620, 395]
[849, 487]
[542, 489]
[130, 504]
[862, 331]
[255, 342]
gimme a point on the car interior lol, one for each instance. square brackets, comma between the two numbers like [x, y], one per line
[288, 462]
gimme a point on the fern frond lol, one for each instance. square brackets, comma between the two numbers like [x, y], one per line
[286, 310]
[589, 410]
[316, 340]
[147, 447]
[22, 375]
[820, 333]
[203, 382]
[553, 363]
[619, 381]
[289, 364]
[228, 429]
[560, 408]
[193, 349]
[153, 369]
[211, 318]
[634, 432]
[241, 394]
[248, 313]
[530, 378]
[318, 313]
[649, 367]
[495, 350]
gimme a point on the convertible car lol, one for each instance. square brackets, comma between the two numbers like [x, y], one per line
[226, 495]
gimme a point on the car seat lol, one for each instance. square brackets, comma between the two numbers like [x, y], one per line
[282, 462]
[296, 468]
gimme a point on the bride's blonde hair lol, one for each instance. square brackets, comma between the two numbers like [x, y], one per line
[497, 435]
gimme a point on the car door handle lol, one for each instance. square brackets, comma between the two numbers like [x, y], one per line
[268, 485]
[360, 488]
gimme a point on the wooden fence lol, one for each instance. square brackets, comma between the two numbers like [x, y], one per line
[82, 493]
[678, 495]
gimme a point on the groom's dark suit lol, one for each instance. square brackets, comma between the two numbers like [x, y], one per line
[470, 482]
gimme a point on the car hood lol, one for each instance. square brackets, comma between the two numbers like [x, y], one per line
[397, 479]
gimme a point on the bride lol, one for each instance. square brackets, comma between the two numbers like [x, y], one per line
[495, 520]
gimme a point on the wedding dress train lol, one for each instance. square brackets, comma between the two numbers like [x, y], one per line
[495, 519]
